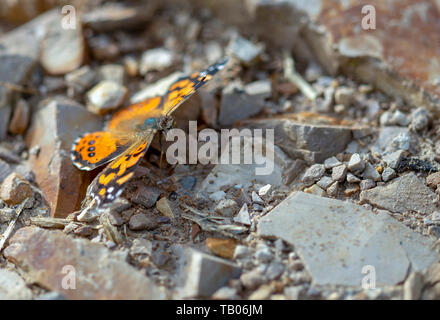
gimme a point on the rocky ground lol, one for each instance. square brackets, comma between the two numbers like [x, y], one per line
[353, 198]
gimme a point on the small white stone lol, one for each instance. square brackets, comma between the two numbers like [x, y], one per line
[356, 163]
[264, 190]
[243, 216]
[388, 174]
[256, 198]
[155, 59]
[324, 182]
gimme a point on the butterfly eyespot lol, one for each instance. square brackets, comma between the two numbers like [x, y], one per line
[91, 154]
[91, 142]
[91, 149]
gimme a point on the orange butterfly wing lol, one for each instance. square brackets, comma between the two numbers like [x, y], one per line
[110, 183]
[92, 150]
[184, 87]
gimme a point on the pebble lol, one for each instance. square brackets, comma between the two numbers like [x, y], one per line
[400, 119]
[256, 198]
[264, 190]
[226, 293]
[213, 51]
[146, 196]
[224, 248]
[15, 189]
[433, 180]
[344, 96]
[263, 254]
[164, 208]
[111, 72]
[313, 174]
[157, 59]
[263, 292]
[316, 190]
[351, 178]
[388, 174]
[293, 292]
[62, 50]
[367, 184]
[242, 252]
[244, 50]
[252, 279]
[436, 216]
[20, 117]
[370, 172]
[333, 189]
[420, 119]
[227, 207]
[205, 274]
[141, 246]
[274, 270]
[6, 215]
[356, 164]
[80, 79]
[434, 231]
[243, 216]
[325, 182]
[331, 163]
[402, 141]
[141, 221]
[106, 96]
[393, 159]
[131, 66]
[339, 173]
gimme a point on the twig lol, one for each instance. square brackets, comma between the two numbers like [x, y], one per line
[207, 224]
[296, 78]
[15, 87]
[11, 226]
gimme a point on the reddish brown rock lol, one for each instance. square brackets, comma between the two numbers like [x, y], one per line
[20, 118]
[54, 128]
[15, 189]
[60, 263]
[221, 247]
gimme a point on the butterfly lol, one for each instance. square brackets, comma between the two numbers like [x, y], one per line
[128, 135]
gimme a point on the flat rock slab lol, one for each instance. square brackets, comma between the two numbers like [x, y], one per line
[338, 239]
[272, 166]
[406, 193]
[13, 287]
[312, 138]
[49, 256]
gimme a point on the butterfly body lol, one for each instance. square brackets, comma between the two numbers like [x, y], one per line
[128, 135]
